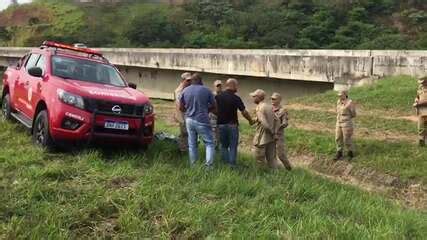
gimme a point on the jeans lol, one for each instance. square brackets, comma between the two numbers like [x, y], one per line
[204, 130]
[229, 139]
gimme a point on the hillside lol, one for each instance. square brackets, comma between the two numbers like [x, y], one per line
[123, 193]
[360, 24]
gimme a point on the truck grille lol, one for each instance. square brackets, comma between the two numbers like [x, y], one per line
[105, 107]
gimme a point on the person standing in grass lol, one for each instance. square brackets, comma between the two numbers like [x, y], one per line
[197, 101]
[346, 111]
[179, 116]
[264, 143]
[421, 108]
[228, 124]
[212, 117]
[283, 117]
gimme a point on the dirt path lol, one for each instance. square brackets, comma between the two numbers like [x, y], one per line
[359, 133]
[412, 195]
[379, 114]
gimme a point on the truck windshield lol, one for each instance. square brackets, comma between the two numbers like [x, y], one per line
[85, 70]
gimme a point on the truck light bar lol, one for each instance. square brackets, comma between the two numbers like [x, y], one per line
[72, 48]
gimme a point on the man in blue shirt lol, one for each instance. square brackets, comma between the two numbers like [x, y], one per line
[197, 101]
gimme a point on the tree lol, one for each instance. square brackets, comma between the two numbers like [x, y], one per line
[210, 14]
[387, 41]
[153, 28]
[320, 31]
[4, 35]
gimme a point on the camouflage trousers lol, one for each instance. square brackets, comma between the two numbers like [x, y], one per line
[344, 138]
[183, 138]
[215, 131]
[281, 152]
[266, 155]
[422, 127]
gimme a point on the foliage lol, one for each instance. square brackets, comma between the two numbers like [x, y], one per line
[154, 28]
[359, 24]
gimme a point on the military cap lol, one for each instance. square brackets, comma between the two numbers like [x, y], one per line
[423, 80]
[258, 92]
[276, 96]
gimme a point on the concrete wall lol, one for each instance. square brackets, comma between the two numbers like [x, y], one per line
[161, 83]
[339, 68]
[308, 65]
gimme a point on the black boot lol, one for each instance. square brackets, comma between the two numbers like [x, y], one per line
[338, 156]
[421, 143]
[350, 155]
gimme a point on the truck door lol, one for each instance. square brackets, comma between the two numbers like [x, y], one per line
[22, 85]
[14, 77]
[35, 86]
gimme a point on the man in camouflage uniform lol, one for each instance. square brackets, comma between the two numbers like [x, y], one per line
[265, 131]
[212, 117]
[179, 115]
[346, 111]
[283, 117]
[421, 108]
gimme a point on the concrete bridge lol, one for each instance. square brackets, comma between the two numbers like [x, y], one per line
[290, 72]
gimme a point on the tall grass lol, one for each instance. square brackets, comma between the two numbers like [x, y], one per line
[122, 193]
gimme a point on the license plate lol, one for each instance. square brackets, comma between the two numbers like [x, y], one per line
[116, 125]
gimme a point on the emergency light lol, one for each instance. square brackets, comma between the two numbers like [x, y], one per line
[72, 48]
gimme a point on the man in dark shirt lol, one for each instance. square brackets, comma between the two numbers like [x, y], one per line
[197, 101]
[228, 124]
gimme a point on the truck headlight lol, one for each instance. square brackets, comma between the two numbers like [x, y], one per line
[148, 109]
[71, 99]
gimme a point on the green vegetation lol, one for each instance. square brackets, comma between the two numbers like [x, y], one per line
[116, 193]
[125, 193]
[390, 96]
[368, 122]
[402, 159]
[360, 24]
[380, 107]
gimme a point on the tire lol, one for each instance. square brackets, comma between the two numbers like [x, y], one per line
[5, 108]
[41, 131]
[143, 147]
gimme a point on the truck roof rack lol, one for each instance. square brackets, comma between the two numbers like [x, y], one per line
[69, 47]
[91, 53]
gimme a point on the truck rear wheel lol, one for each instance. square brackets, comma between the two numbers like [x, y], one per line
[5, 108]
[41, 131]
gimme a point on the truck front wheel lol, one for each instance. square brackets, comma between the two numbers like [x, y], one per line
[41, 133]
[5, 108]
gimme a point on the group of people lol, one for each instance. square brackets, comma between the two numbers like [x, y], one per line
[213, 116]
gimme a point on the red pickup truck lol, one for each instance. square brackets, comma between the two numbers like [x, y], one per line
[64, 93]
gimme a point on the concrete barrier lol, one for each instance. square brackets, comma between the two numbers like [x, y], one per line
[338, 68]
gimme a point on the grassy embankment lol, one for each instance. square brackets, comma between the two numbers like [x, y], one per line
[126, 194]
[385, 134]
[386, 139]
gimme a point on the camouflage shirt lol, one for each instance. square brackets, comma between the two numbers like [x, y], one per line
[282, 117]
[346, 111]
[265, 125]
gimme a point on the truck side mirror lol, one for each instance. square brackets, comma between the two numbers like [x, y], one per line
[132, 85]
[35, 72]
